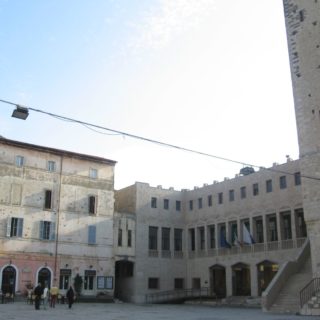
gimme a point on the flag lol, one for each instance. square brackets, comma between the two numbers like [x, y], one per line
[223, 241]
[236, 241]
[247, 237]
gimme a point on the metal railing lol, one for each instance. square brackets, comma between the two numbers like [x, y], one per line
[176, 295]
[311, 289]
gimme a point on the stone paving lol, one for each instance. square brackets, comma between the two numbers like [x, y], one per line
[121, 311]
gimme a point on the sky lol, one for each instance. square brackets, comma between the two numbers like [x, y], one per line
[208, 75]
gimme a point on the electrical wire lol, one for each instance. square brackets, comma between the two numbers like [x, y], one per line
[165, 144]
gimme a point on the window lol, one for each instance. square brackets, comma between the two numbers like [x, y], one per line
[88, 283]
[255, 189]
[165, 239]
[129, 238]
[297, 179]
[120, 238]
[92, 204]
[177, 239]
[231, 195]
[212, 237]
[220, 197]
[19, 161]
[51, 166]
[47, 230]
[166, 204]
[64, 280]
[259, 231]
[191, 205]
[153, 202]
[287, 234]
[201, 238]
[153, 283]
[283, 182]
[178, 205]
[192, 240]
[93, 173]
[243, 192]
[153, 238]
[178, 283]
[210, 201]
[14, 227]
[269, 186]
[272, 229]
[92, 234]
[47, 199]
[200, 203]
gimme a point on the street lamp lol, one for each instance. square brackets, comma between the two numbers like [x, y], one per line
[20, 113]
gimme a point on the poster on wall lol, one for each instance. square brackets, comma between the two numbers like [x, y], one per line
[104, 282]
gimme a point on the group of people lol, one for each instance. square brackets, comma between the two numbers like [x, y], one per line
[43, 294]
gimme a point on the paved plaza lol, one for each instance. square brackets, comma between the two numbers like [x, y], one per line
[117, 311]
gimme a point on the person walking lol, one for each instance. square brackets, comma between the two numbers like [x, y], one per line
[38, 291]
[70, 296]
[45, 296]
[54, 292]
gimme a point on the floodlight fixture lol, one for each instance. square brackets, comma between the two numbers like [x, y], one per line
[20, 113]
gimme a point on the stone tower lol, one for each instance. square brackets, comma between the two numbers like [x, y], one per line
[303, 34]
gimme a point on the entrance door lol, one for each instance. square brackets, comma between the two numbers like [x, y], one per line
[218, 281]
[8, 280]
[44, 277]
[241, 283]
[266, 271]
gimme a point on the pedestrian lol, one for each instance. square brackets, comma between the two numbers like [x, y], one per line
[54, 292]
[70, 296]
[38, 291]
[45, 296]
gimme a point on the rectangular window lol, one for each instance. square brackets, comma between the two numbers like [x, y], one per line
[19, 161]
[93, 173]
[269, 186]
[178, 205]
[297, 179]
[165, 239]
[255, 189]
[209, 200]
[177, 239]
[119, 237]
[92, 204]
[231, 195]
[47, 230]
[192, 239]
[14, 227]
[153, 238]
[166, 204]
[243, 192]
[47, 199]
[153, 283]
[191, 205]
[51, 166]
[200, 203]
[259, 231]
[212, 237]
[272, 229]
[92, 234]
[88, 282]
[178, 283]
[153, 202]
[64, 280]
[220, 197]
[283, 182]
[201, 238]
[129, 238]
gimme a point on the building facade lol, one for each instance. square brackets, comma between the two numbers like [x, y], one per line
[230, 237]
[56, 218]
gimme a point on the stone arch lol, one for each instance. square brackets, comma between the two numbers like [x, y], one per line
[9, 277]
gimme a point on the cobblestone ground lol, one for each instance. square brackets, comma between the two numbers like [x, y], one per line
[120, 311]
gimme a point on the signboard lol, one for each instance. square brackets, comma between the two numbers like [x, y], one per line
[90, 272]
[65, 272]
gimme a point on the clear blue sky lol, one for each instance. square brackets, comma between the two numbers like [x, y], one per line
[209, 75]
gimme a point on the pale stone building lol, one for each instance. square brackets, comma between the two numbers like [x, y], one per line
[56, 218]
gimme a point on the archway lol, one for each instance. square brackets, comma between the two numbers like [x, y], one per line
[8, 280]
[44, 277]
[123, 280]
[266, 271]
[241, 282]
[218, 281]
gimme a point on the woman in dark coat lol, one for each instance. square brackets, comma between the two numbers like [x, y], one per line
[70, 296]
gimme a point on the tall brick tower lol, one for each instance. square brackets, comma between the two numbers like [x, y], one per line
[303, 33]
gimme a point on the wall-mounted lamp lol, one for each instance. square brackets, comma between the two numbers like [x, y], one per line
[10, 262]
[90, 266]
[67, 265]
[20, 113]
[45, 264]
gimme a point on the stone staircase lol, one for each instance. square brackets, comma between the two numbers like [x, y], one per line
[288, 300]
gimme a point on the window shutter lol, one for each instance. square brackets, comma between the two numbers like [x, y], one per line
[92, 235]
[52, 231]
[20, 227]
[8, 226]
[41, 229]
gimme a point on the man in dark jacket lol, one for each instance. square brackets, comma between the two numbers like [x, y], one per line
[38, 291]
[70, 296]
